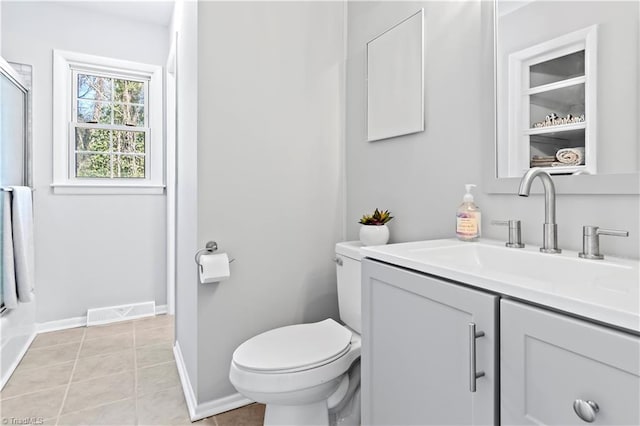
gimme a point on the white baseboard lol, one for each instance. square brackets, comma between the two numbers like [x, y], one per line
[206, 409]
[187, 389]
[4, 379]
[63, 324]
[74, 322]
[217, 406]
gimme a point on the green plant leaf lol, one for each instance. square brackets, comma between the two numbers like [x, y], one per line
[379, 217]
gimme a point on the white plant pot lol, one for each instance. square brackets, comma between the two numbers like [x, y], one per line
[374, 235]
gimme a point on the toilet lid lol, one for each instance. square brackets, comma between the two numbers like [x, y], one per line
[294, 348]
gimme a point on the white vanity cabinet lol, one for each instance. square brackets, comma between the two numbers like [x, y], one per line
[549, 360]
[418, 350]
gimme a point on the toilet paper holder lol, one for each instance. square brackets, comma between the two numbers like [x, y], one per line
[209, 248]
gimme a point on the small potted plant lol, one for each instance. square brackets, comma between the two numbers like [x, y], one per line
[374, 230]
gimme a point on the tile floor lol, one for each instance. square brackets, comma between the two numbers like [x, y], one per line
[118, 374]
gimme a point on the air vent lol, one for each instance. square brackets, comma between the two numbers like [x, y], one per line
[111, 314]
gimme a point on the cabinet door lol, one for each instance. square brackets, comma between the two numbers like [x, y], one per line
[416, 350]
[549, 360]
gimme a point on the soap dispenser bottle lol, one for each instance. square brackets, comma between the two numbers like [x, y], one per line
[468, 217]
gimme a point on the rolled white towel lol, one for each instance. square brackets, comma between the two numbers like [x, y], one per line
[571, 156]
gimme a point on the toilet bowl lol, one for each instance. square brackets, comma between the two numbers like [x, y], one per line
[297, 386]
[309, 374]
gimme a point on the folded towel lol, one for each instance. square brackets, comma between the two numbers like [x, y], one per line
[22, 218]
[9, 291]
[548, 164]
[571, 156]
[543, 158]
[541, 161]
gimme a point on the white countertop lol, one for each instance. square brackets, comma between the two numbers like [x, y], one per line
[606, 291]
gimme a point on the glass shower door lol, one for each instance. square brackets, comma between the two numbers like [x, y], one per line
[13, 142]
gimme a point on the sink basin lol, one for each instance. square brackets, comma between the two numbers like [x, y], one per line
[523, 267]
[603, 290]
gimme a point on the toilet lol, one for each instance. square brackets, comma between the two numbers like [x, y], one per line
[309, 374]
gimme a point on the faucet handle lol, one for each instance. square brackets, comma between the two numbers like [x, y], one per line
[612, 232]
[591, 240]
[515, 233]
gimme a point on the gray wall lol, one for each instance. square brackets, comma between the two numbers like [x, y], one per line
[263, 176]
[186, 24]
[420, 177]
[80, 265]
[617, 67]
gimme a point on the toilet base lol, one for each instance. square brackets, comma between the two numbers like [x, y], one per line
[316, 414]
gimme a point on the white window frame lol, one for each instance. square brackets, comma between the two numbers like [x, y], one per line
[65, 67]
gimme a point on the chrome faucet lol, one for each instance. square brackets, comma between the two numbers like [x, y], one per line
[550, 228]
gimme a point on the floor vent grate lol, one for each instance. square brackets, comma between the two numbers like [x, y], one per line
[111, 314]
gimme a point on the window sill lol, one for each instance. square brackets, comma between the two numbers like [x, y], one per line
[106, 189]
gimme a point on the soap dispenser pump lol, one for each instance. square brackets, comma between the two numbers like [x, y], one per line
[468, 217]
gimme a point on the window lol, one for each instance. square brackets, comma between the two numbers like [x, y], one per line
[108, 128]
[107, 125]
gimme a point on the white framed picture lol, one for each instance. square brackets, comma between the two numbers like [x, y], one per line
[395, 80]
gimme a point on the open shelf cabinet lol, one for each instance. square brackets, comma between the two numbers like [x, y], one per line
[552, 105]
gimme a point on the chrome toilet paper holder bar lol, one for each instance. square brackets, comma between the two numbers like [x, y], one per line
[209, 248]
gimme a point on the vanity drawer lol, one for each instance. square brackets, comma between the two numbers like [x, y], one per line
[549, 360]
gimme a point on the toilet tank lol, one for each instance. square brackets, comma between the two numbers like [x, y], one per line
[349, 293]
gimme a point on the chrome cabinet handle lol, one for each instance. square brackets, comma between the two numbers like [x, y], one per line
[338, 260]
[586, 410]
[473, 374]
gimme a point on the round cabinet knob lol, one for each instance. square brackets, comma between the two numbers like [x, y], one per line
[586, 410]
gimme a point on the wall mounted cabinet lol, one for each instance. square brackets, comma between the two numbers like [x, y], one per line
[552, 106]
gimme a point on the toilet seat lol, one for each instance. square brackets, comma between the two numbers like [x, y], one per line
[270, 385]
[294, 348]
